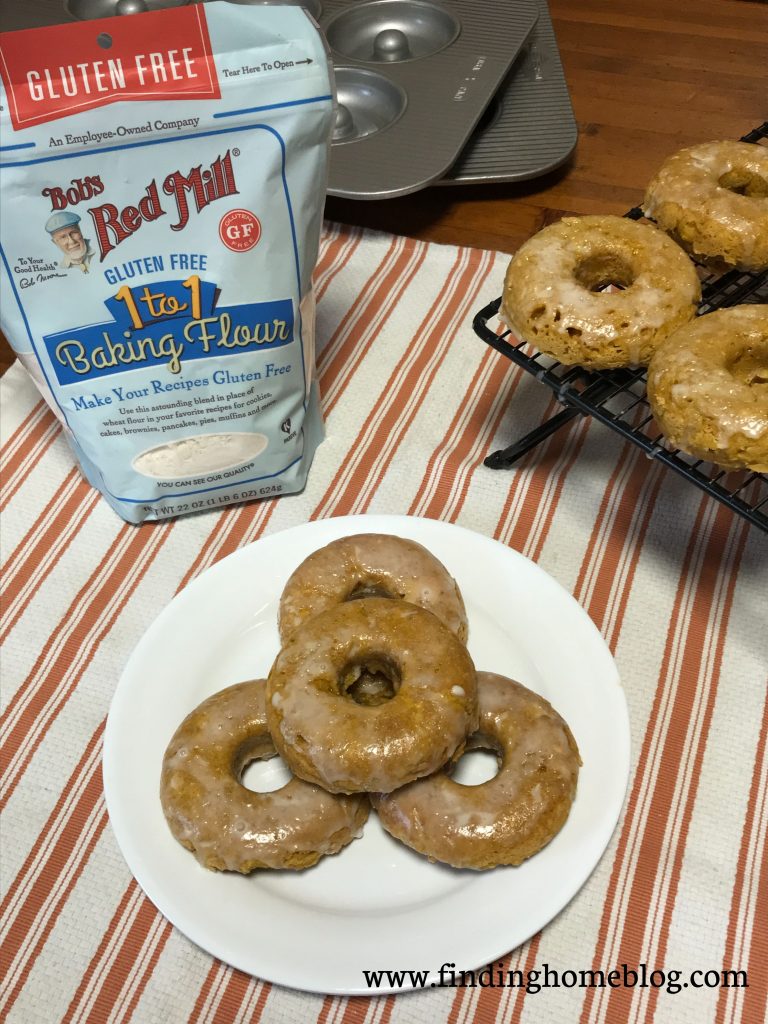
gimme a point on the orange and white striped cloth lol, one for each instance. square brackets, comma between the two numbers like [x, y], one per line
[413, 401]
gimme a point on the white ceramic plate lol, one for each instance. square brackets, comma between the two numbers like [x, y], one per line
[376, 905]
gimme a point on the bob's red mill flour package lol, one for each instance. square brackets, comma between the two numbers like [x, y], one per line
[162, 179]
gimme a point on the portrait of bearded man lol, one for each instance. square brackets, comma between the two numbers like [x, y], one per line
[65, 232]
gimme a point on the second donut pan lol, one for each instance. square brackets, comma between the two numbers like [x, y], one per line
[413, 79]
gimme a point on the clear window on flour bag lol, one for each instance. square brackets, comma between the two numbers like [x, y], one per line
[162, 179]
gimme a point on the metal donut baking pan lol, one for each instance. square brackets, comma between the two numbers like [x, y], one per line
[413, 79]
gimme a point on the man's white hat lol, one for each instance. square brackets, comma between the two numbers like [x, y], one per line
[62, 219]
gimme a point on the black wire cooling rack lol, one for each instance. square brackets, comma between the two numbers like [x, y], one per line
[618, 399]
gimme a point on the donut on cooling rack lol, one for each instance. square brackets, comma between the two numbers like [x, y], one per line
[554, 295]
[426, 704]
[370, 564]
[713, 198]
[708, 388]
[511, 816]
[229, 827]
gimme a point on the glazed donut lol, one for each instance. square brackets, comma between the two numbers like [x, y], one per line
[329, 738]
[371, 565]
[708, 388]
[713, 199]
[229, 827]
[551, 297]
[511, 816]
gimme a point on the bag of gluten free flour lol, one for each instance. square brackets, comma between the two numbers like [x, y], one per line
[162, 179]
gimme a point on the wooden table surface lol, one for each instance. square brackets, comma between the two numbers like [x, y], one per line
[645, 79]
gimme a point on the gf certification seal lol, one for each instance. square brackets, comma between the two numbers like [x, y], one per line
[240, 230]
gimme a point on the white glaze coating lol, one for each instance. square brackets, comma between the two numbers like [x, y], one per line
[548, 299]
[393, 566]
[708, 387]
[512, 815]
[687, 198]
[229, 827]
[328, 738]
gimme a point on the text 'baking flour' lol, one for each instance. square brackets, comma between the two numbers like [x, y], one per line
[162, 185]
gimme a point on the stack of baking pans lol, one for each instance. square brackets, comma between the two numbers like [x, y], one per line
[413, 80]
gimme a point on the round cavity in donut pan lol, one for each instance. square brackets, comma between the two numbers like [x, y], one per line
[366, 102]
[85, 10]
[392, 31]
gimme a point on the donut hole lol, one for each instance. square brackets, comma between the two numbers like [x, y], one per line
[260, 768]
[604, 270]
[368, 588]
[750, 365]
[480, 762]
[370, 681]
[744, 183]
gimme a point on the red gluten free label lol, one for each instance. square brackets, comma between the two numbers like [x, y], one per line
[61, 70]
[240, 230]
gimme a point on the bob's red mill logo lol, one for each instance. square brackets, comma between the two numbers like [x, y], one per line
[198, 188]
[104, 61]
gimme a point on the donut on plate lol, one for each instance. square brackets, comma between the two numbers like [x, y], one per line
[556, 297]
[708, 388]
[426, 705]
[366, 565]
[511, 816]
[229, 827]
[713, 198]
